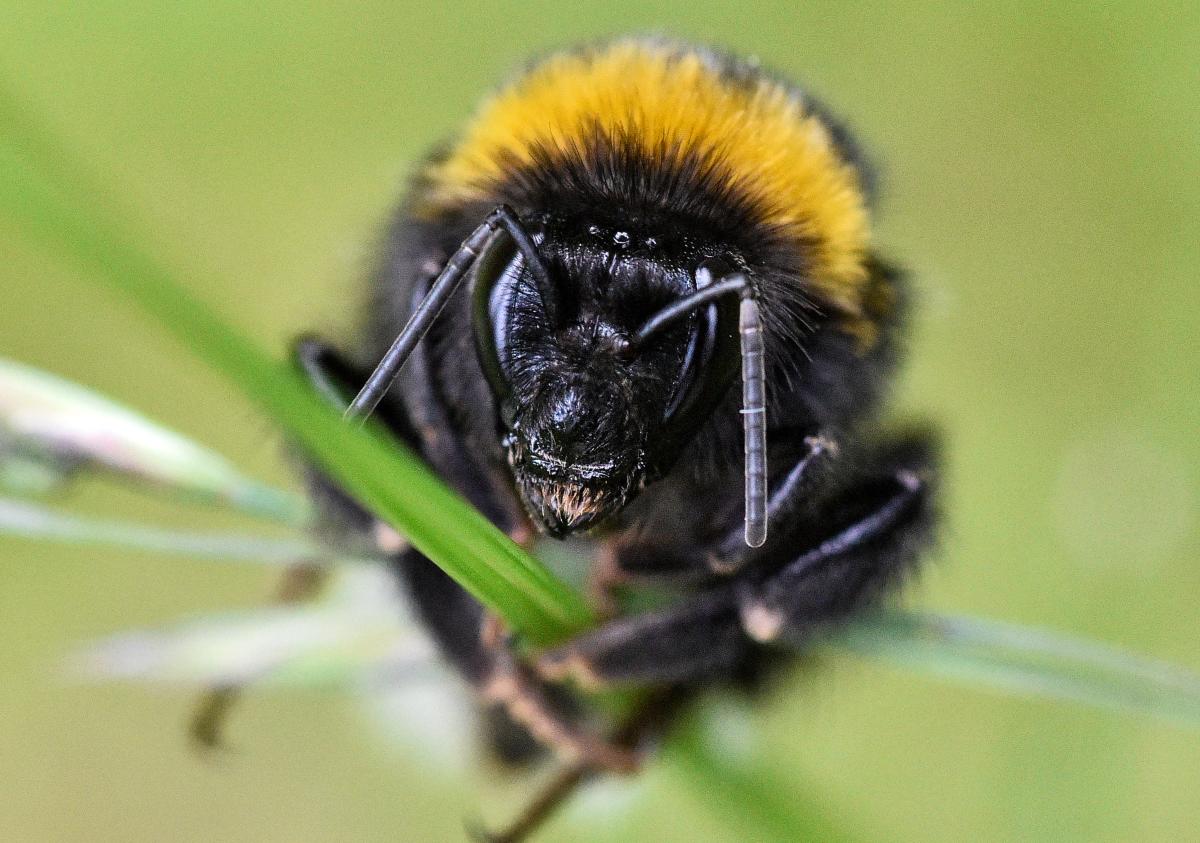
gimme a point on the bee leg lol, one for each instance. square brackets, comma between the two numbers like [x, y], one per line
[521, 714]
[325, 369]
[604, 579]
[732, 553]
[646, 722]
[701, 637]
[337, 379]
[640, 558]
[553, 795]
[856, 565]
[714, 633]
[545, 710]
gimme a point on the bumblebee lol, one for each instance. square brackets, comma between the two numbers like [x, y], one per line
[566, 304]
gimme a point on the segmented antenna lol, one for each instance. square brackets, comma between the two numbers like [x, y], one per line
[754, 419]
[443, 287]
[754, 380]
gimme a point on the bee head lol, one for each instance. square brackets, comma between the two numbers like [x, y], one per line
[591, 412]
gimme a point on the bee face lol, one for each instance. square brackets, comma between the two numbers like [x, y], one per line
[575, 460]
[585, 417]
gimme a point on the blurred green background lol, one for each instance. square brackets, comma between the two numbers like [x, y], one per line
[1040, 178]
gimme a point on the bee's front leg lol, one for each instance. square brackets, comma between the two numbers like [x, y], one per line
[862, 539]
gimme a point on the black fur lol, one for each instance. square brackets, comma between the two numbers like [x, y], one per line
[622, 233]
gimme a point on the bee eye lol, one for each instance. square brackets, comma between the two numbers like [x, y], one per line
[695, 358]
[496, 274]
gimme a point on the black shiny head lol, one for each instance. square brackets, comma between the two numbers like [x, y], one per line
[592, 410]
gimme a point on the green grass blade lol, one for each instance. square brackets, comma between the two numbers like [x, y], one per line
[1027, 661]
[38, 189]
[50, 422]
[32, 521]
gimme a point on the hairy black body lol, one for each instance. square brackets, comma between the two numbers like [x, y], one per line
[542, 416]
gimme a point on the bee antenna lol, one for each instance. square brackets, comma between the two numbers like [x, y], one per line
[443, 287]
[754, 380]
[754, 418]
[686, 306]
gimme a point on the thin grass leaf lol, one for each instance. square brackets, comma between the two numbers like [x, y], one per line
[1026, 661]
[269, 647]
[349, 640]
[39, 188]
[50, 422]
[32, 521]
